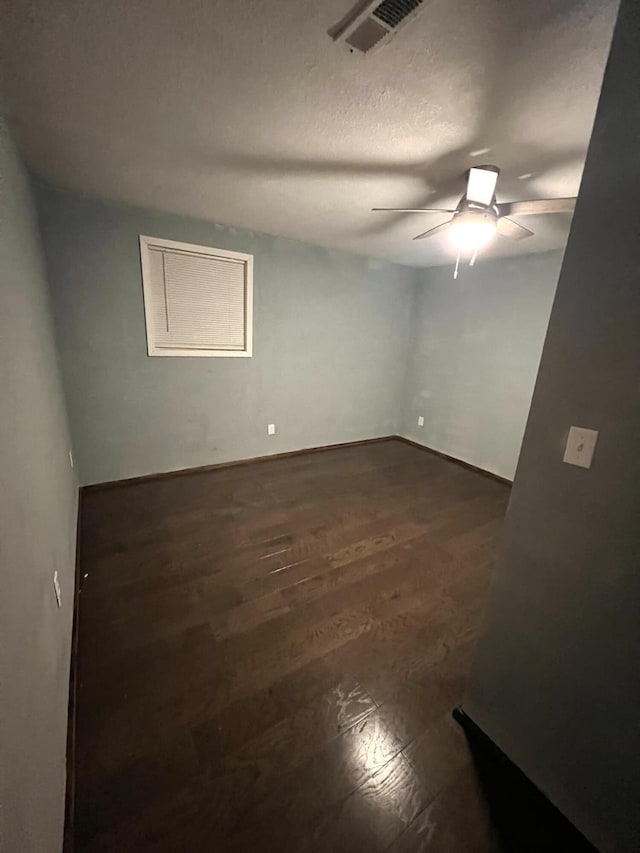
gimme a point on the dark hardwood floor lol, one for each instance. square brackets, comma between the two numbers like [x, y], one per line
[269, 655]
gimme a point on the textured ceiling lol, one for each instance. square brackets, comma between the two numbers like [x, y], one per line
[246, 113]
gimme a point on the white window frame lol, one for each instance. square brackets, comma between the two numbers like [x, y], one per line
[159, 242]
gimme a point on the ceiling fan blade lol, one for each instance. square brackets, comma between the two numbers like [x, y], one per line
[433, 231]
[509, 228]
[538, 206]
[414, 209]
[481, 184]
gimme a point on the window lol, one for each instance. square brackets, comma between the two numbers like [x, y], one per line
[198, 301]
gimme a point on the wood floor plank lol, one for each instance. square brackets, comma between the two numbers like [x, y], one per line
[370, 818]
[259, 763]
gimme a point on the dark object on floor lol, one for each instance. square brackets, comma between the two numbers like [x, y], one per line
[523, 819]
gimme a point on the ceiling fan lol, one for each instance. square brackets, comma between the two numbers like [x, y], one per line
[478, 217]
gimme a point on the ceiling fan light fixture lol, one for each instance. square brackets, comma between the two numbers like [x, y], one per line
[472, 230]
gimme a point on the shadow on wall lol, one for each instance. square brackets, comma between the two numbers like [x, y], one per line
[477, 343]
[522, 819]
[443, 401]
[466, 371]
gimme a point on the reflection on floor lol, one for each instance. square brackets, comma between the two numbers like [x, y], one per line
[270, 653]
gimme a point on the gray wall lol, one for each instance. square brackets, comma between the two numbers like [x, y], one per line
[330, 343]
[475, 349]
[557, 677]
[38, 495]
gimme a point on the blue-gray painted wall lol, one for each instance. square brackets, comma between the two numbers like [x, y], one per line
[474, 355]
[38, 510]
[556, 682]
[330, 346]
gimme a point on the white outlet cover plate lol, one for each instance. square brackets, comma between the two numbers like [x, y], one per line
[271, 429]
[581, 444]
[421, 421]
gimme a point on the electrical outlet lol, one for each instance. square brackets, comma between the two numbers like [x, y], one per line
[56, 586]
[420, 421]
[581, 444]
[271, 429]
[71, 457]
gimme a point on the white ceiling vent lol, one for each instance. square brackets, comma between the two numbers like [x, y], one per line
[370, 24]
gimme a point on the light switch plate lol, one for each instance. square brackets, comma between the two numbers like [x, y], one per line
[271, 429]
[420, 420]
[581, 444]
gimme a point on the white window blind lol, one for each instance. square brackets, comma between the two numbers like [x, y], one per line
[198, 300]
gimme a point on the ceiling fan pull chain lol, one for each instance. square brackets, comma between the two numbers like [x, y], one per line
[473, 257]
[455, 272]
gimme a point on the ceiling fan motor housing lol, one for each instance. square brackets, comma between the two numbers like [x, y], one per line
[472, 212]
[473, 226]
